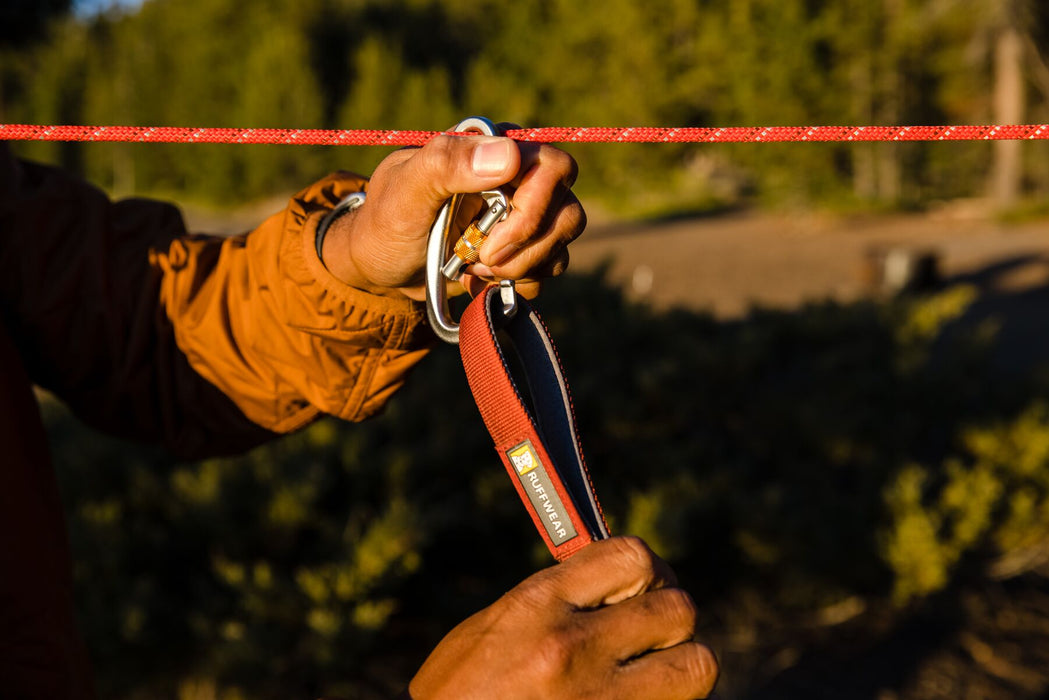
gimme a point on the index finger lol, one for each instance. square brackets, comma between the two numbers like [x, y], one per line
[542, 189]
[609, 572]
[688, 670]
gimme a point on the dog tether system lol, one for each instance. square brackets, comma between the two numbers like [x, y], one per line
[516, 379]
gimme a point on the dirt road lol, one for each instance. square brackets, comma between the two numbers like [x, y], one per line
[726, 264]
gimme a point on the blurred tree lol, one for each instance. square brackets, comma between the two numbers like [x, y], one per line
[1009, 99]
[565, 63]
[24, 21]
[50, 83]
[428, 63]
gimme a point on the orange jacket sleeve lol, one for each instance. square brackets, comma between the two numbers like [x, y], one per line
[208, 344]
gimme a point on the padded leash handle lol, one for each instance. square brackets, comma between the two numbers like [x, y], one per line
[516, 379]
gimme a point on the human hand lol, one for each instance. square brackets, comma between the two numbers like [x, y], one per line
[381, 247]
[608, 623]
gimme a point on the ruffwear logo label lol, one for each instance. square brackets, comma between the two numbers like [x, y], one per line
[541, 493]
[524, 459]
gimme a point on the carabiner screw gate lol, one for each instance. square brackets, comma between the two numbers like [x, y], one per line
[467, 249]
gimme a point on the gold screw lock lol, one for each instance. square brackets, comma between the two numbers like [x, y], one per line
[467, 249]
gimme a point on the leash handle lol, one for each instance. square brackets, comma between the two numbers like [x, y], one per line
[520, 389]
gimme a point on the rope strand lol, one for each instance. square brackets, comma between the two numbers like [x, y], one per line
[378, 137]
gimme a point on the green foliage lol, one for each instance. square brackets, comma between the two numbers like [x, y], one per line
[428, 63]
[991, 497]
[790, 466]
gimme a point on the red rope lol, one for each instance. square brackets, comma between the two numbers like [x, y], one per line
[376, 137]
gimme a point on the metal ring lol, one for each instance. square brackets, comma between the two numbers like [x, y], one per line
[348, 203]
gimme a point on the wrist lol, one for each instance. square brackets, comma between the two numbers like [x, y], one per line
[336, 250]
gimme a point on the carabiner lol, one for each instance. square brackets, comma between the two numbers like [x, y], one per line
[440, 266]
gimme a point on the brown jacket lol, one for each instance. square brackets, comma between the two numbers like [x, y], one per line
[207, 345]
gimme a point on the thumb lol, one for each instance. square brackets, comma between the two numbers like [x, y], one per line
[450, 165]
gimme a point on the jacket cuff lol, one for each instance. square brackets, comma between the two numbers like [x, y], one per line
[371, 341]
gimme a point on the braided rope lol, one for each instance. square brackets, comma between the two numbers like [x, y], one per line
[377, 137]
[783, 134]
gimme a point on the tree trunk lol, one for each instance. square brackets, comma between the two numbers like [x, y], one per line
[864, 181]
[1009, 103]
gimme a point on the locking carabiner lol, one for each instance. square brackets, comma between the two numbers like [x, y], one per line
[442, 266]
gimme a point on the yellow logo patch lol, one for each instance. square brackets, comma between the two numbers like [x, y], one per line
[523, 458]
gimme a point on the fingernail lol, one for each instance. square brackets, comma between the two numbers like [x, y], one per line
[503, 254]
[491, 157]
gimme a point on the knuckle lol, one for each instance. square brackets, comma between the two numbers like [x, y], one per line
[534, 593]
[562, 162]
[677, 605]
[634, 552]
[631, 543]
[700, 669]
[575, 220]
[573, 171]
[440, 153]
[559, 651]
[673, 611]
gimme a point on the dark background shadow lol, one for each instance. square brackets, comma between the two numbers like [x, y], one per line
[759, 456]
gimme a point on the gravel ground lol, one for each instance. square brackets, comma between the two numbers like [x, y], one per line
[725, 265]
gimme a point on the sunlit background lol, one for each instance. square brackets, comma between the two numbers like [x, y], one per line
[812, 376]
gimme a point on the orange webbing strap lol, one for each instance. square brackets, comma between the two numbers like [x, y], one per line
[517, 382]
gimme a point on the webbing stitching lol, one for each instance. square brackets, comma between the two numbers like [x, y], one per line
[502, 358]
[574, 422]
